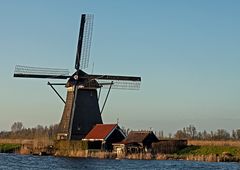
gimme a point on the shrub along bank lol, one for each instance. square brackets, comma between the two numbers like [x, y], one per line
[9, 148]
[209, 153]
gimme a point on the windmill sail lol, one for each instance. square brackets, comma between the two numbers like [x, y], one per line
[84, 42]
[39, 72]
[120, 84]
[117, 82]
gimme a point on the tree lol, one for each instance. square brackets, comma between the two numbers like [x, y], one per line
[234, 134]
[52, 132]
[221, 134]
[205, 135]
[238, 133]
[200, 135]
[180, 134]
[191, 131]
[17, 126]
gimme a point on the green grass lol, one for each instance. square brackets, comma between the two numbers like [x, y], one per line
[207, 150]
[9, 148]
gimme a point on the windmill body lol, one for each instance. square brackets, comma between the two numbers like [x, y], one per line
[85, 115]
[81, 112]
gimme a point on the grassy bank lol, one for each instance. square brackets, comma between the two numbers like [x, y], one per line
[205, 153]
[9, 148]
[207, 150]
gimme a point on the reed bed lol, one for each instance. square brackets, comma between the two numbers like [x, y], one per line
[214, 143]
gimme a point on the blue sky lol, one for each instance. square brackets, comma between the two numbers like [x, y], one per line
[187, 53]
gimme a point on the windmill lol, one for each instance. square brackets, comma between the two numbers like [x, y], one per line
[81, 111]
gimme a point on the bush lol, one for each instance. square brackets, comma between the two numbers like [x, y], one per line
[9, 148]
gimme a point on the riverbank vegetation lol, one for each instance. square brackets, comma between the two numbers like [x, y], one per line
[219, 145]
[207, 150]
[9, 148]
[18, 131]
[194, 153]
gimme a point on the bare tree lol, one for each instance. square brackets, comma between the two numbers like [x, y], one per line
[191, 131]
[180, 134]
[17, 126]
[221, 134]
[234, 135]
[238, 133]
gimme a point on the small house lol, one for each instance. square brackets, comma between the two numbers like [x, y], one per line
[136, 142]
[102, 136]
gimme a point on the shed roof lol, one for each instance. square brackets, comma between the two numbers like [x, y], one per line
[137, 136]
[100, 131]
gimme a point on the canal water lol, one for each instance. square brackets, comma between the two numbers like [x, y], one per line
[15, 161]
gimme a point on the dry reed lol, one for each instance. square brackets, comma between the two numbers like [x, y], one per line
[214, 143]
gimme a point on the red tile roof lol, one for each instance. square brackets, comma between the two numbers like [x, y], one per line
[100, 131]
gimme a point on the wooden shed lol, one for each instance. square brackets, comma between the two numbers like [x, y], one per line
[136, 142]
[102, 136]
